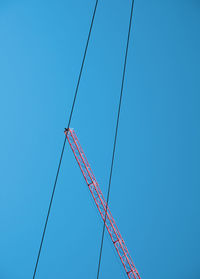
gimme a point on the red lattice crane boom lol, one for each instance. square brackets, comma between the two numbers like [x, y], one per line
[101, 204]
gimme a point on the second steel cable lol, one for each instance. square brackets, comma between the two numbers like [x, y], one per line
[115, 138]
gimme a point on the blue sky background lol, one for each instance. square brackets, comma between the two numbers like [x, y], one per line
[156, 183]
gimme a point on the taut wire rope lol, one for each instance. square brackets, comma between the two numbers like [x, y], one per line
[63, 147]
[115, 138]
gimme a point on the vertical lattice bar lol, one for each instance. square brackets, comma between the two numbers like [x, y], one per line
[101, 204]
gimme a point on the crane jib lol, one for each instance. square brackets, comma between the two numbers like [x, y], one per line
[101, 204]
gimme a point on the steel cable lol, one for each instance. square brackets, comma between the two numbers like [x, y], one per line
[115, 138]
[63, 147]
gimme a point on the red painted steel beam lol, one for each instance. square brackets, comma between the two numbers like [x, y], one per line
[101, 204]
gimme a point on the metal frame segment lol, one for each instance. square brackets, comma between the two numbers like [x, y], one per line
[101, 204]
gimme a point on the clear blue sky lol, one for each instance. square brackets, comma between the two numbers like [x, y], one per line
[156, 183]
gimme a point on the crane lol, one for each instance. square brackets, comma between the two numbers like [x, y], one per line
[102, 206]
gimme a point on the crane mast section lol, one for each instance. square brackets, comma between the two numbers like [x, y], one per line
[101, 204]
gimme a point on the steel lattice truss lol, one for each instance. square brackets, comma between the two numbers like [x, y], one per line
[101, 203]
